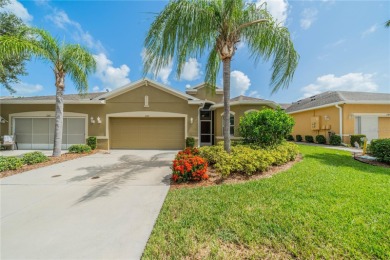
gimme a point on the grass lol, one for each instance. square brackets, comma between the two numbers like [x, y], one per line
[327, 206]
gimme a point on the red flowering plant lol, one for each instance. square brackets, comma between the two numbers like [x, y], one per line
[188, 166]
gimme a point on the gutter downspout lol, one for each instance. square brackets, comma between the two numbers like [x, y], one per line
[341, 120]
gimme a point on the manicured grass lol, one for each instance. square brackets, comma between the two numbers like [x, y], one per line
[327, 206]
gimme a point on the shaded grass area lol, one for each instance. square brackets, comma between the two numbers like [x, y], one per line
[327, 206]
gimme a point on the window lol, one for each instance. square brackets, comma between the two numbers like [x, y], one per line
[231, 123]
[146, 101]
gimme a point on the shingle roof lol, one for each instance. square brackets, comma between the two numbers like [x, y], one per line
[245, 98]
[331, 97]
[284, 105]
[87, 96]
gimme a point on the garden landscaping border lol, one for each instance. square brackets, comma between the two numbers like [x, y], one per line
[52, 160]
[216, 179]
[357, 157]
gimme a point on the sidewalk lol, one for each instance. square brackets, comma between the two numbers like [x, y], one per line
[342, 148]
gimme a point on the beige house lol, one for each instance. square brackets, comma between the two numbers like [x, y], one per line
[343, 113]
[141, 115]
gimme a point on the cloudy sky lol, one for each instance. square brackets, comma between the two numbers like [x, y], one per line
[343, 45]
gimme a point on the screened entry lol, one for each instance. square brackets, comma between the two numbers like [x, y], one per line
[38, 133]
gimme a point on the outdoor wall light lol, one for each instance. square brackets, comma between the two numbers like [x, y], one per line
[99, 120]
[92, 120]
[326, 118]
[191, 120]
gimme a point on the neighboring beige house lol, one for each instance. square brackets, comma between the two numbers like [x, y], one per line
[344, 113]
[141, 115]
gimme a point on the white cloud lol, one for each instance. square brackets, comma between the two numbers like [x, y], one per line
[239, 83]
[191, 70]
[19, 10]
[26, 89]
[308, 16]
[349, 82]
[96, 89]
[111, 77]
[336, 43]
[164, 72]
[370, 30]
[254, 93]
[61, 19]
[277, 8]
[188, 86]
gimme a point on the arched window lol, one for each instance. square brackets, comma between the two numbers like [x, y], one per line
[231, 122]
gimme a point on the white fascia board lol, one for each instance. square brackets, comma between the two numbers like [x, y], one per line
[139, 83]
[32, 102]
[368, 102]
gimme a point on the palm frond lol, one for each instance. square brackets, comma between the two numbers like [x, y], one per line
[212, 68]
[184, 29]
[268, 40]
[387, 24]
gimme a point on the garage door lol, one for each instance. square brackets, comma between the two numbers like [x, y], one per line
[38, 133]
[147, 133]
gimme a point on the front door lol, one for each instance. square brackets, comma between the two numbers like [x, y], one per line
[206, 127]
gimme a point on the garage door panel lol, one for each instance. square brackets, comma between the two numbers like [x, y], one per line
[147, 133]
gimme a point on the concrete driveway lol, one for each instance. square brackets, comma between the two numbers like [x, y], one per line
[63, 212]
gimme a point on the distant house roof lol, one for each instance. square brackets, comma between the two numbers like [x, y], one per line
[284, 105]
[338, 97]
[87, 96]
[244, 100]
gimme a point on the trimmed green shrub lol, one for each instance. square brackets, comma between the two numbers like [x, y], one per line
[248, 159]
[92, 142]
[309, 138]
[267, 127]
[190, 142]
[10, 163]
[34, 157]
[298, 138]
[358, 139]
[380, 148]
[290, 138]
[79, 148]
[320, 139]
[335, 140]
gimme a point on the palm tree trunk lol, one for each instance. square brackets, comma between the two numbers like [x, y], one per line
[226, 103]
[59, 121]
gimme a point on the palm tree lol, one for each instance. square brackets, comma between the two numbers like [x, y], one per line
[70, 60]
[188, 28]
[387, 24]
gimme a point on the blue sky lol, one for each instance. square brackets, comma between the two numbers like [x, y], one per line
[343, 45]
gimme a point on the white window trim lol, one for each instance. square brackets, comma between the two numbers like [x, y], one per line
[146, 101]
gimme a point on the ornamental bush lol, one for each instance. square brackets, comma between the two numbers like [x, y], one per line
[335, 140]
[189, 167]
[34, 157]
[248, 159]
[320, 139]
[357, 138]
[290, 138]
[380, 148]
[298, 138]
[190, 142]
[10, 163]
[92, 142]
[79, 148]
[267, 127]
[309, 138]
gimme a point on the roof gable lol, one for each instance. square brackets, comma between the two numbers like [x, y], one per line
[147, 82]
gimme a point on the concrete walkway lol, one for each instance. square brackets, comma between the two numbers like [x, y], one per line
[342, 148]
[63, 212]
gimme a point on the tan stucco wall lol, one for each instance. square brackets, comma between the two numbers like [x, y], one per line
[207, 93]
[239, 111]
[303, 122]
[134, 100]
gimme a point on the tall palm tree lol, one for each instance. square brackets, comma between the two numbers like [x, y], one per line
[188, 28]
[70, 60]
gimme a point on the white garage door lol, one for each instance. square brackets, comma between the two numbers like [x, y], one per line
[38, 133]
[367, 125]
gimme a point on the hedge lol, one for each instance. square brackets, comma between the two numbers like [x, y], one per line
[34, 157]
[298, 138]
[79, 148]
[320, 139]
[335, 140]
[92, 142]
[10, 163]
[380, 148]
[309, 138]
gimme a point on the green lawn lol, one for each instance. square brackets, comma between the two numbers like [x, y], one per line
[327, 206]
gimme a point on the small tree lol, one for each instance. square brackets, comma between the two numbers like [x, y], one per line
[266, 127]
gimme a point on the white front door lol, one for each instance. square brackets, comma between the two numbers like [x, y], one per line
[367, 125]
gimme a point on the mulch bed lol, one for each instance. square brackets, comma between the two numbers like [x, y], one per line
[52, 160]
[215, 179]
[371, 162]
